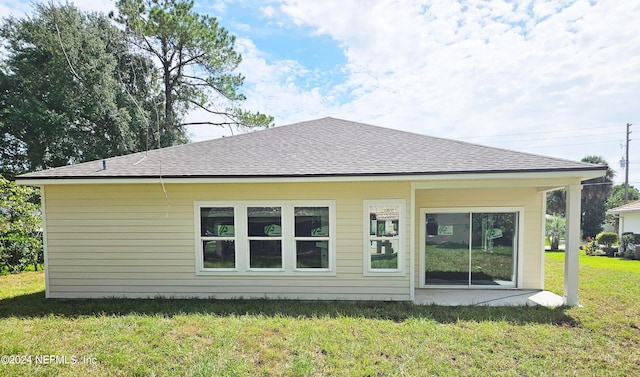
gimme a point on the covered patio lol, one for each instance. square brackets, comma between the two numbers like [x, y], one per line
[479, 251]
[487, 297]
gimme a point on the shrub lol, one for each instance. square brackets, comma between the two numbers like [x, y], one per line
[591, 248]
[607, 239]
[20, 235]
[629, 242]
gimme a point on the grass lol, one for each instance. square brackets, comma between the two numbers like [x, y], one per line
[167, 337]
[5, 270]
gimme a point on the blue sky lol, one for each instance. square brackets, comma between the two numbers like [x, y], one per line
[270, 32]
[553, 77]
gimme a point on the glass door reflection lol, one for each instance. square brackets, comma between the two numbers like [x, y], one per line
[447, 249]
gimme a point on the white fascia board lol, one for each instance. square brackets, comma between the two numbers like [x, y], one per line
[581, 174]
[623, 212]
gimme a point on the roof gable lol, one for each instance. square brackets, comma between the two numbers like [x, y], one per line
[322, 147]
[629, 207]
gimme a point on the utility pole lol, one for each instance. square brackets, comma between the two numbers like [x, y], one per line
[626, 170]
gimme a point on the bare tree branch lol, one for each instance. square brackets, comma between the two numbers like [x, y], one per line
[196, 78]
[192, 83]
[197, 57]
[55, 22]
[221, 124]
[148, 47]
[187, 62]
[205, 108]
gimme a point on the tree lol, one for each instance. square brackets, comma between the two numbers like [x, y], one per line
[616, 199]
[196, 58]
[555, 230]
[594, 196]
[66, 91]
[20, 236]
[556, 202]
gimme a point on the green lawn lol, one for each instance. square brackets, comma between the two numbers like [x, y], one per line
[271, 338]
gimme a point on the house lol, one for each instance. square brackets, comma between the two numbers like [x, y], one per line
[629, 215]
[628, 218]
[324, 209]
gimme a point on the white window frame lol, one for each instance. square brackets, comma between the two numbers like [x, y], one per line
[403, 224]
[518, 268]
[328, 239]
[250, 238]
[202, 238]
[288, 239]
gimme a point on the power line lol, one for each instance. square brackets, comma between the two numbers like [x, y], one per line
[598, 184]
[546, 146]
[563, 130]
[558, 138]
[561, 140]
[542, 132]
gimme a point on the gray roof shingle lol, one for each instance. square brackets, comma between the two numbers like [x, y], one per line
[322, 147]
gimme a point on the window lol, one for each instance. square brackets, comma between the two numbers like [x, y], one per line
[264, 225]
[285, 237]
[312, 237]
[470, 248]
[217, 236]
[384, 224]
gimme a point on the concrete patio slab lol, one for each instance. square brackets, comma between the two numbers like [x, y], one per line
[488, 297]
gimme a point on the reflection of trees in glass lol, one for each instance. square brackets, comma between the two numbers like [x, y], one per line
[483, 222]
[311, 221]
[449, 259]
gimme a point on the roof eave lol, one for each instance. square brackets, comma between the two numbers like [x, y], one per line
[582, 174]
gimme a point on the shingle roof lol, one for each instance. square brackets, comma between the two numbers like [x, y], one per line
[630, 207]
[322, 147]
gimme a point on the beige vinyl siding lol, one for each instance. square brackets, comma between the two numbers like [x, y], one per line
[136, 241]
[528, 197]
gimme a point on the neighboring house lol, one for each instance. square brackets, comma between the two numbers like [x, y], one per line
[629, 217]
[324, 209]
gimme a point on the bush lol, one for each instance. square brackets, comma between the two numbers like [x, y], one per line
[20, 235]
[628, 245]
[607, 239]
[591, 248]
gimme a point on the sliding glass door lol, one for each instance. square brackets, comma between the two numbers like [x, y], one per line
[470, 248]
[447, 249]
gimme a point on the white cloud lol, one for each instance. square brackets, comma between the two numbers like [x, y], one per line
[274, 87]
[14, 9]
[491, 67]
[219, 7]
[459, 69]
[268, 11]
[104, 6]
[19, 9]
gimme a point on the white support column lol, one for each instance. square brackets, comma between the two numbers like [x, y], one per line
[412, 247]
[571, 254]
[620, 231]
[543, 227]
